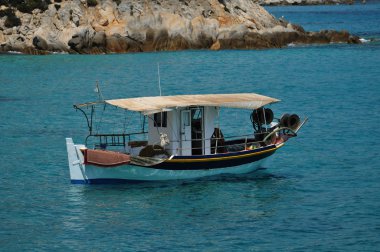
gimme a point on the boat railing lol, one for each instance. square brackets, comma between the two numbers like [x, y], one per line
[224, 144]
[114, 140]
[212, 145]
[217, 138]
[242, 142]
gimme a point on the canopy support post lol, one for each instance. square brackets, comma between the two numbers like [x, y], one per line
[89, 122]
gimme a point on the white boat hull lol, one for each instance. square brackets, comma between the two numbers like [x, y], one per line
[89, 174]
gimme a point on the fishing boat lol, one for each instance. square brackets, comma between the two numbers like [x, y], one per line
[180, 138]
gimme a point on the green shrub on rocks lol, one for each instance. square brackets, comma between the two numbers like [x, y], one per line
[92, 3]
[11, 19]
[6, 12]
[4, 2]
[28, 6]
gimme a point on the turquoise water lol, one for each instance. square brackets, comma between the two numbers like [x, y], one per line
[359, 19]
[319, 193]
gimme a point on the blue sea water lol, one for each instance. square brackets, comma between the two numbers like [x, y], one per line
[319, 193]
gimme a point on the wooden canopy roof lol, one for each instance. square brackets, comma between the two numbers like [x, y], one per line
[150, 105]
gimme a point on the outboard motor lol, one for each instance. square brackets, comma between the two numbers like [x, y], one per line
[269, 116]
[260, 117]
[290, 121]
[284, 120]
[294, 121]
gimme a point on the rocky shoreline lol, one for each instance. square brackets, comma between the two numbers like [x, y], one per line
[303, 2]
[161, 25]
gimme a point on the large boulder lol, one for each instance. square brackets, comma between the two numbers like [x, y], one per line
[40, 43]
[82, 40]
[99, 39]
[120, 44]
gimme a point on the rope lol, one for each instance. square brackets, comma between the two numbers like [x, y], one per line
[277, 130]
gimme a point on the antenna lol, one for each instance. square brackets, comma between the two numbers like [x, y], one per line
[97, 90]
[159, 79]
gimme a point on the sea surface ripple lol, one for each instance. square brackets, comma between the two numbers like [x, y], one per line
[321, 192]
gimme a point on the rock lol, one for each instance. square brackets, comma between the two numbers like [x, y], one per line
[163, 42]
[24, 30]
[297, 28]
[106, 13]
[354, 40]
[202, 29]
[215, 46]
[40, 43]
[36, 11]
[26, 18]
[176, 42]
[302, 2]
[2, 37]
[203, 40]
[336, 36]
[136, 25]
[8, 31]
[51, 11]
[115, 43]
[82, 40]
[325, 37]
[99, 39]
[120, 44]
[64, 15]
[103, 22]
[16, 42]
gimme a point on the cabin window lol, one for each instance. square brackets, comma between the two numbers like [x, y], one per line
[160, 119]
[186, 118]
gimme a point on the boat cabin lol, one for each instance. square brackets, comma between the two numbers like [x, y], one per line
[188, 129]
